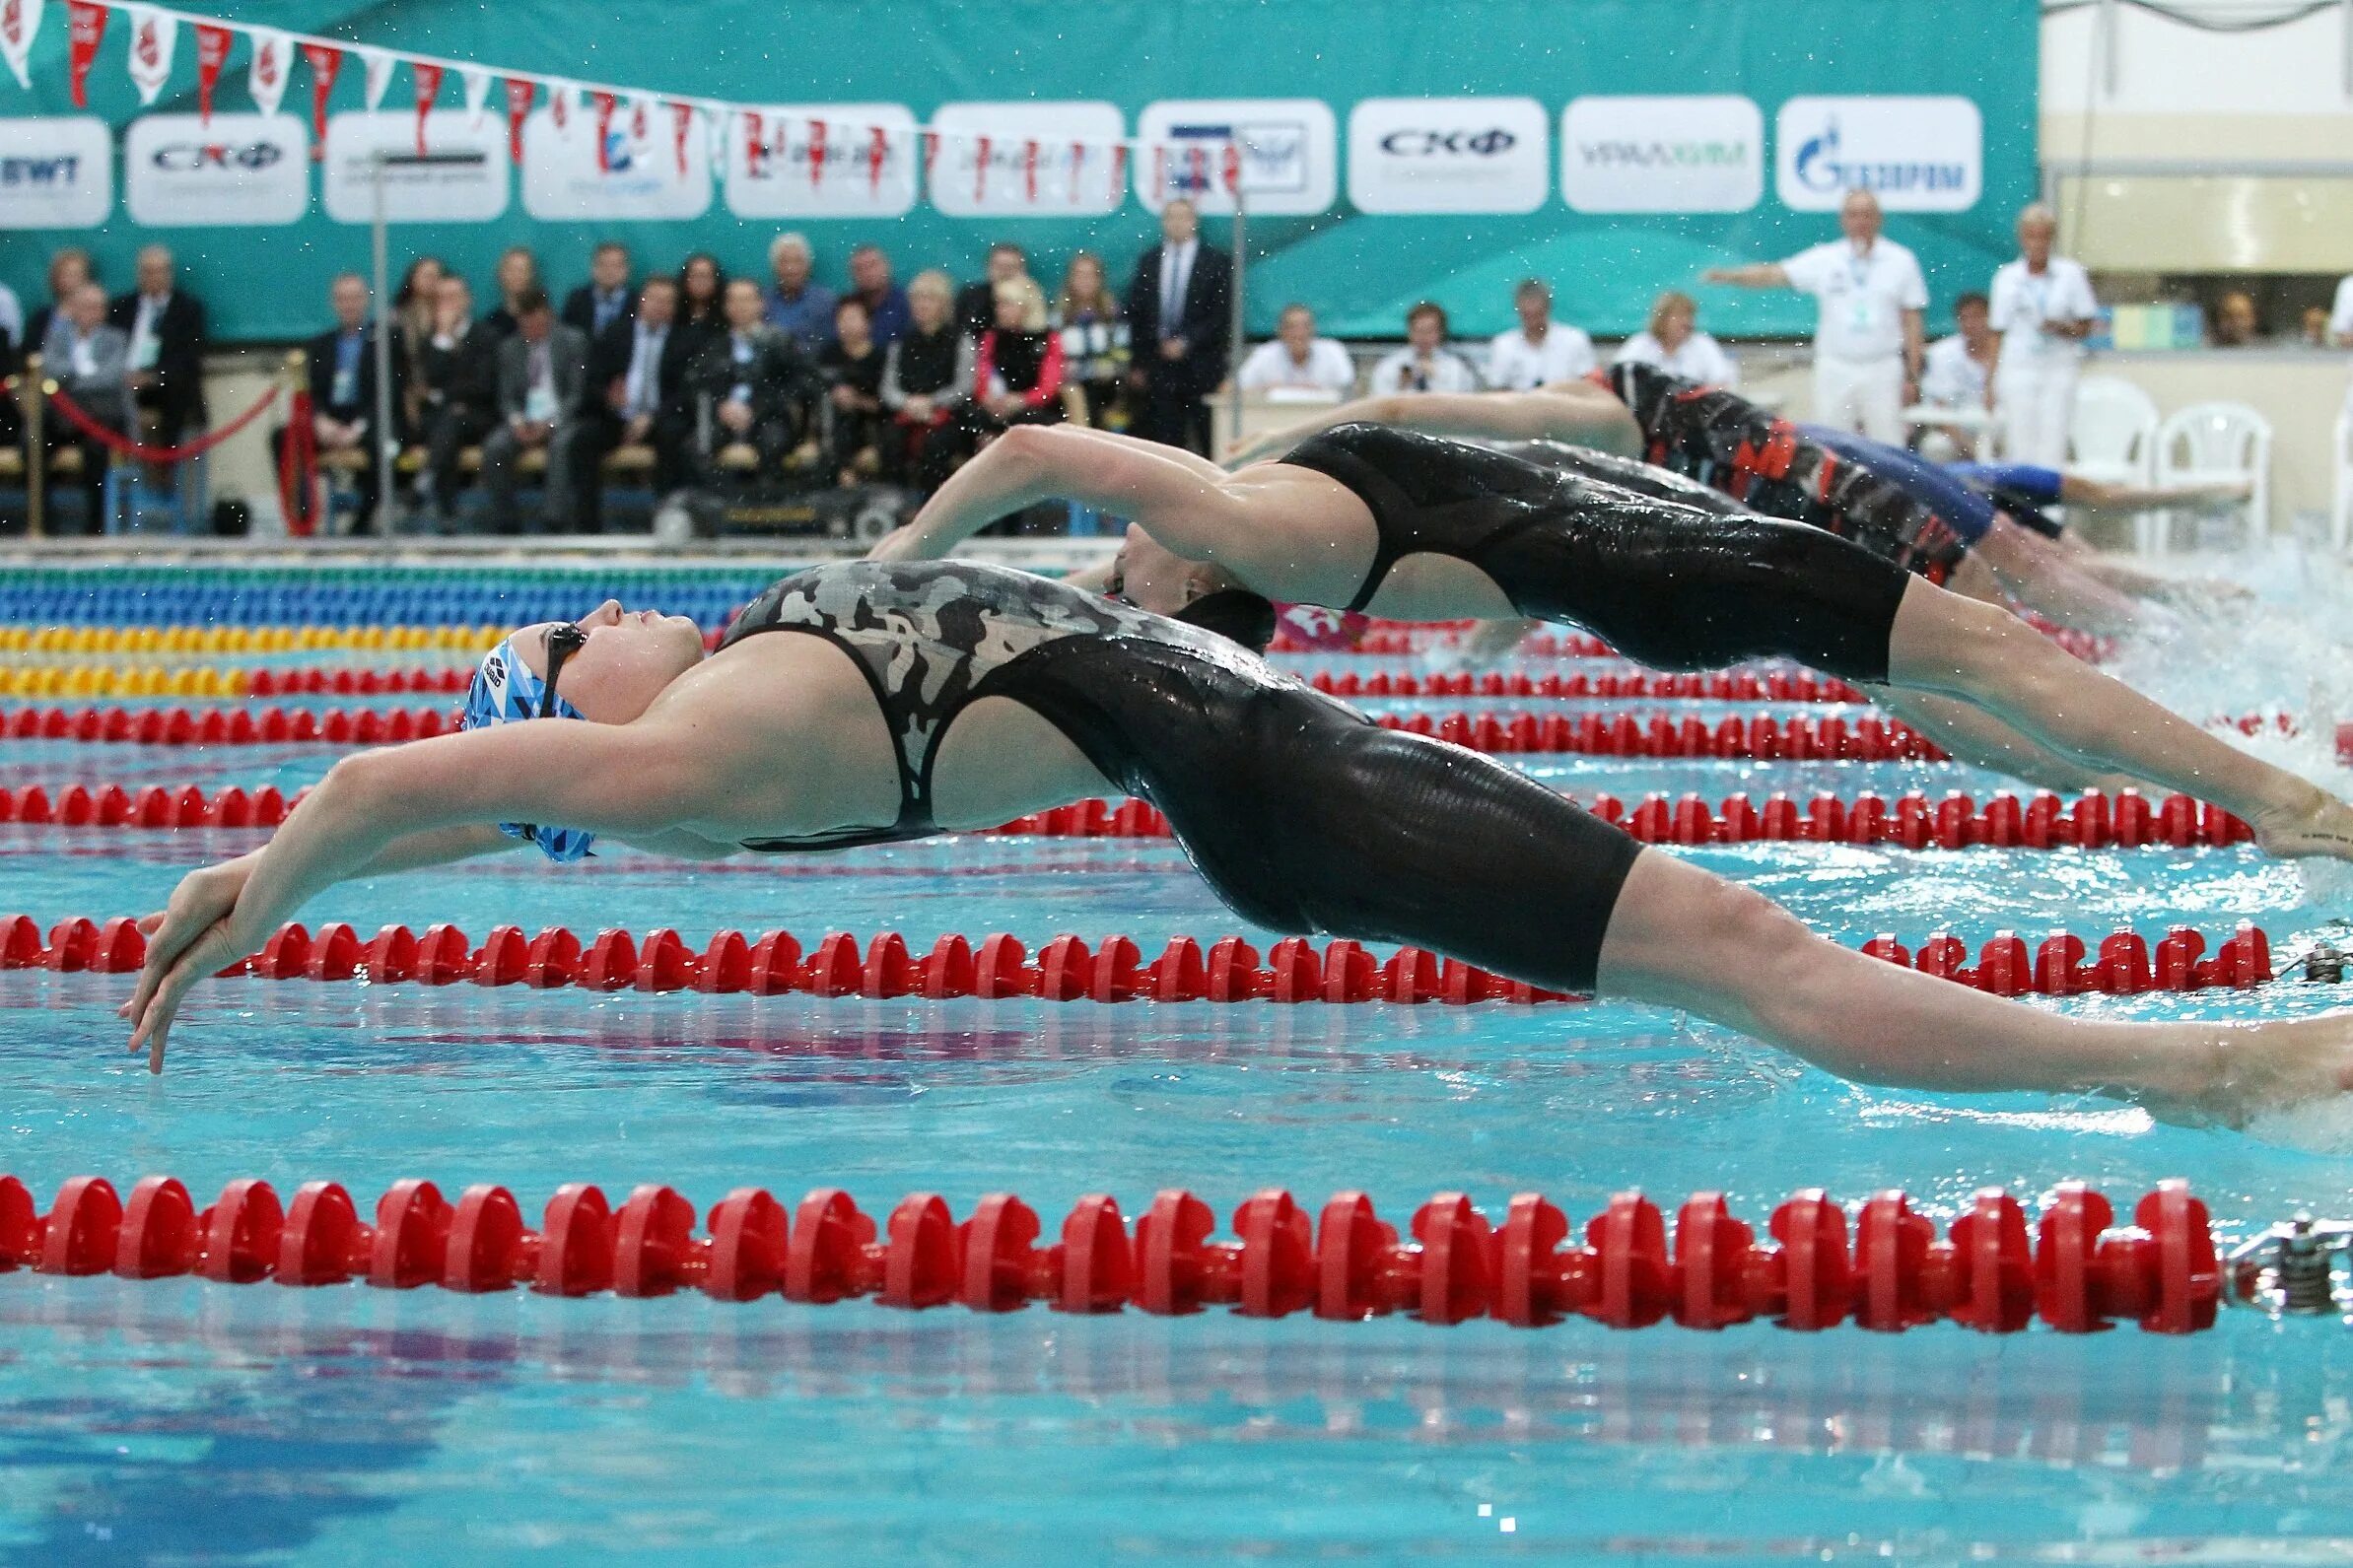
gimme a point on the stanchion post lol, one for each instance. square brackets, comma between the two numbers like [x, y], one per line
[1234, 331]
[380, 266]
[35, 391]
[293, 375]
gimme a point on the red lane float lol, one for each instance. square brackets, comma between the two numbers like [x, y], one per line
[241, 727]
[1416, 637]
[1884, 1270]
[1738, 686]
[269, 681]
[151, 807]
[1066, 968]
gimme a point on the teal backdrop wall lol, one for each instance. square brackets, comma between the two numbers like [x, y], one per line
[1359, 269]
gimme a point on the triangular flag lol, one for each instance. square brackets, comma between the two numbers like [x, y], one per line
[606, 104]
[85, 26]
[428, 78]
[817, 152]
[639, 119]
[521, 90]
[324, 60]
[980, 172]
[877, 154]
[681, 127]
[559, 103]
[19, 19]
[378, 66]
[265, 78]
[152, 34]
[477, 93]
[719, 127]
[212, 52]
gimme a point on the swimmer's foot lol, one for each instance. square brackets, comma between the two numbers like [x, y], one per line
[2318, 826]
[2259, 1067]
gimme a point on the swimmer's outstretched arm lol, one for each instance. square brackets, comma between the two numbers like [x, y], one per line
[2101, 496]
[409, 805]
[1577, 411]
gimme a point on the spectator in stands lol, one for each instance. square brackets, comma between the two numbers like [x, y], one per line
[542, 368]
[606, 298]
[976, 302]
[2043, 307]
[2236, 324]
[1867, 340]
[2316, 326]
[851, 361]
[635, 397]
[799, 305]
[1180, 313]
[872, 286]
[1094, 339]
[165, 328]
[1675, 344]
[1540, 350]
[518, 275]
[69, 268]
[702, 298]
[416, 309]
[461, 394]
[1960, 372]
[927, 376]
[1425, 364]
[12, 330]
[754, 388]
[90, 360]
[1298, 360]
[1017, 372]
[341, 363]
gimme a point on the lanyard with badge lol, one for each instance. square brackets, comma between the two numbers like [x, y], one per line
[344, 392]
[1862, 306]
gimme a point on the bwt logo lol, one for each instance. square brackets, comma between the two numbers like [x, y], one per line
[1818, 166]
[1664, 155]
[1488, 143]
[188, 158]
[65, 170]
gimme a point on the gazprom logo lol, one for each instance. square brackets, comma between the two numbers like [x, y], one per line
[1821, 165]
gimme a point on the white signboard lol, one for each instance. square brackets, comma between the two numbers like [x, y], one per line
[1666, 154]
[823, 161]
[1411, 155]
[1288, 153]
[1914, 154]
[647, 172]
[179, 170]
[57, 172]
[459, 177]
[1028, 159]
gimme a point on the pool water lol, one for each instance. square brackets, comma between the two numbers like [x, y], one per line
[176, 1421]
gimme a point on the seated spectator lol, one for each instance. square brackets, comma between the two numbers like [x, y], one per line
[2316, 326]
[341, 363]
[70, 267]
[927, 374]
[1094, 340]
[797, 304]
[541, 370]
[416, 309]
[90, 360]
[12, 330]
[976, 302]
[1674, 343]
[606, 298]
[1958, 370]
[1297, 361]
[1017, 372]
[753, 389]
[1425, 364]
[702, 300]
[871, 285]
[852, 364]
[462, 397]
[2236, 324]
[518, 275]
[1540, 350]
[165, 328]
[634, 396]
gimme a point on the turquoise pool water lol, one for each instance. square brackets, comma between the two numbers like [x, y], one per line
[174, 1421]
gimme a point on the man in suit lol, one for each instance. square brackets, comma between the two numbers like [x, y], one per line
[165, 328]
[90, 360]
[1180, 314]
[341, 368]
[541, 370]
[461, 398]
[976, 302]
[606, 298]
[635, 394]
[755, 387]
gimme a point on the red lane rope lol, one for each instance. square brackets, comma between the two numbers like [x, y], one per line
[2045, 821]
[1739, 686]
[124, 446]
[241, 727]
[1066, 968]
[1395, 638]
[2076, 1270]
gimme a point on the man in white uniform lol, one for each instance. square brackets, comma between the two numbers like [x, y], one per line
[1867, 341]
[1539, 351]
[1958, 374]
[1298, 360]
[2044, 309]
[2340, 316]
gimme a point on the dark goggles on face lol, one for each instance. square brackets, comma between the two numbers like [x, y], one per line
[562, 642]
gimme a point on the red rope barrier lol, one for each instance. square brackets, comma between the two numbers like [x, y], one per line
[298, 470]
[124, 446]
[2076, 1271]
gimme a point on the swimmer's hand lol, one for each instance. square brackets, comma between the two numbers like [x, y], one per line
[193, 936]
[902, 543]
[2260, 1070]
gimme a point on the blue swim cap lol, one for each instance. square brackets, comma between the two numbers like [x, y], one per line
[503, 692]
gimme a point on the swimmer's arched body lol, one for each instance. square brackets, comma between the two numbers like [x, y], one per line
[1417, 528]
[867, 703]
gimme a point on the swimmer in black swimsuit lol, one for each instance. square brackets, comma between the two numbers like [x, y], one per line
[869, 703]
[1417, 528]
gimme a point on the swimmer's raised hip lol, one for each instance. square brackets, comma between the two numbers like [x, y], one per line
[865, 702]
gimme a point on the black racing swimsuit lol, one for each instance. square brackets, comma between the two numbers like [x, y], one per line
[1303, 814]
[1674, 585]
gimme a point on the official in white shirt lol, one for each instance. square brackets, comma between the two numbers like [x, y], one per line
[2340, 316]
[1297, 361]
[1867, 339]
[2044, 309]
[1425, 364]
[1960, 375]
[1540, 350]
[1674, 343]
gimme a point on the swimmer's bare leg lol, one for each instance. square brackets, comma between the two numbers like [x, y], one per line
[1682, 937]
[2046, 579]
[1943, 643]
[1975, 736]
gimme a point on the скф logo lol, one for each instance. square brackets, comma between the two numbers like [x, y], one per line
[186, 158]
[1407, 142]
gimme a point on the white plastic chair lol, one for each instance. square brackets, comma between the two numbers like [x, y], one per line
[2341, 517]
[2113, 437]
[2209, 441]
